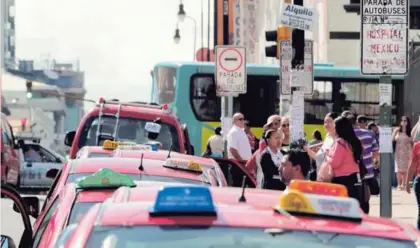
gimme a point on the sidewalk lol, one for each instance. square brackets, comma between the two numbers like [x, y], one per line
[404, 207]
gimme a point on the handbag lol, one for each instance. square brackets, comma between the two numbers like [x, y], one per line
[325, 173]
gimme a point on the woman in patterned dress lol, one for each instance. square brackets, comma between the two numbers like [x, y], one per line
[403, 146]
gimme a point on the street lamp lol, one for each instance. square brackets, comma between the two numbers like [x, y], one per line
[181, 13]
[177, 36]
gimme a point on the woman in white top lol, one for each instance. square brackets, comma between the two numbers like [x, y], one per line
[318, 152]
[269, 161]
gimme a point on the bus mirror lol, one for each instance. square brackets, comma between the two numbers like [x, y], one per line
[68, 140]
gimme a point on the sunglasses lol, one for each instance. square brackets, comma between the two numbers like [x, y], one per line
[285, 125]
[403, 120]
[240, 119]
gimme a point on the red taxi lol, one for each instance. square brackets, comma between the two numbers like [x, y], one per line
[170, 170]
[126, 122]
[73, 201]
[10, 160]
[193, 216]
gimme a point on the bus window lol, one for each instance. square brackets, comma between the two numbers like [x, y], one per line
[319, 103]
[363, 98]
[166, 84]
[205, 103]
[257, 104]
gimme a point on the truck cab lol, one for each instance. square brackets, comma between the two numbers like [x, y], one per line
[114, 120]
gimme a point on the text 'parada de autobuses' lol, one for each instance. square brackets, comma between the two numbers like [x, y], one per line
[385, 7]
[392, 36]
[230, 76]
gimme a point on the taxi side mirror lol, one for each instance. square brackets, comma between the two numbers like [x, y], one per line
[52, 173]
[68, 140]
[33, 206]
[7, 242]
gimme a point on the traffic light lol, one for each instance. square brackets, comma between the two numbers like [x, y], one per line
[28, 89]
[282, 33]
[298, 45]
[352, 7]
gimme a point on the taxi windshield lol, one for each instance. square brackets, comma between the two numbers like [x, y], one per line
[129, 130]
[228, 237]
[142, 177]
[78, 210]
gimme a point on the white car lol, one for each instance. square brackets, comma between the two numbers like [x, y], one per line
[36, 160]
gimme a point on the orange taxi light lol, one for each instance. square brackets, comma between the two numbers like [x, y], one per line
[319, 188]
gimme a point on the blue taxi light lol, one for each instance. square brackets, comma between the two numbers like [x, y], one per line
[106, 178]
[184, 200]
[333, 207]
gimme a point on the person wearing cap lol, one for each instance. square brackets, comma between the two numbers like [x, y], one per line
[362, 121]
[215, 144]
[370, 157]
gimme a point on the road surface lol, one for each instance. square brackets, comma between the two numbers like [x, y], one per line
[404, 209]
[11, 222]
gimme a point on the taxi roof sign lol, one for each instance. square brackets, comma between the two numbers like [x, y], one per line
[183, 200]
[112, 145]
[296, 202]
[106, 178]
[183, 164]
[319, 188]
[135, 147]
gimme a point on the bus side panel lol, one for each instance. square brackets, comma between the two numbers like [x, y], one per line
[183, 106]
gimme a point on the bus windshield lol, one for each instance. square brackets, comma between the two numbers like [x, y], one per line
[129, 130]
[229, 237]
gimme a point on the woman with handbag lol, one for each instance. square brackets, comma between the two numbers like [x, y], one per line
[343, 164]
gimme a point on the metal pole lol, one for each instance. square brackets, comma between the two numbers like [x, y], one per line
[386, 158]
[195, 36]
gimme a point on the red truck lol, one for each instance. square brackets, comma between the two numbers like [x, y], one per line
[114, 120]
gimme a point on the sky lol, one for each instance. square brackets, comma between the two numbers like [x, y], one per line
[116, 42]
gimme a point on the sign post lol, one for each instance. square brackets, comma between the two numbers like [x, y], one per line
[231, 78]
[385, 53]
[296, 66]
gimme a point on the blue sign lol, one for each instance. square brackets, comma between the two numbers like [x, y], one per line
[184, 199]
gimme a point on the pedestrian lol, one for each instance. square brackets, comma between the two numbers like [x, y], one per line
[414, 168]
[269, 161]
[374, 129]
[285, 127]
[343, 162]
[316, 138]
[237, 140]
[318, 152]
[370, 156]
[415, 133]
[215, 144]
[362, 121]
[403, 145]
[273, 122]
[251, 137]
[295, 166]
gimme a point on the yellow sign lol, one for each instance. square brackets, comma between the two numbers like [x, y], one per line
[112, 145]
[194, 166]
[295, 201]
[183, 164]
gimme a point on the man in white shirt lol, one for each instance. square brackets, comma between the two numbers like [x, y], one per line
[237, 140]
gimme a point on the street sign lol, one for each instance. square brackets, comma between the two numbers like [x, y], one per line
[384, 37]
[301, 78]
[230, 70]
[298, 17]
